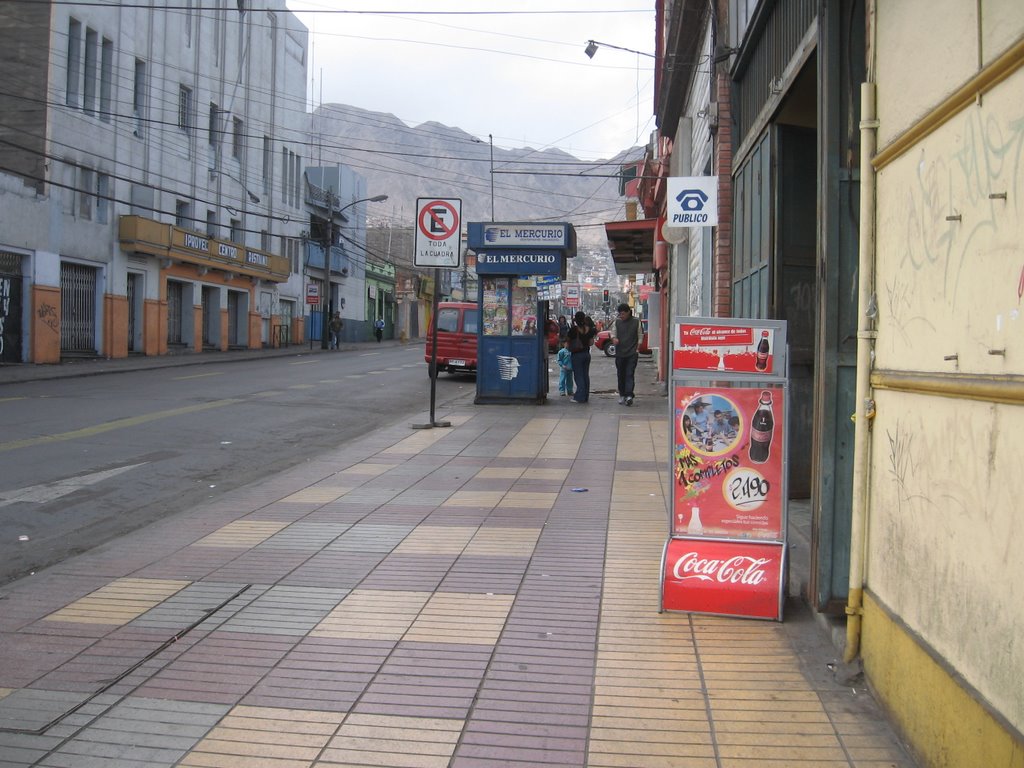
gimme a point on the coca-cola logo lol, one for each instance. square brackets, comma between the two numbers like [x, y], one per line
[739, 569]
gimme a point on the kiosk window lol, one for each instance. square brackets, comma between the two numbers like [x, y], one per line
[495, 306]
[524, 311]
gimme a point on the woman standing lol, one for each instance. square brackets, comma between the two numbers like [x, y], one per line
[581, 336]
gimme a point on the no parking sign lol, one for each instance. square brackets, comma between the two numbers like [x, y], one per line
[438, 233]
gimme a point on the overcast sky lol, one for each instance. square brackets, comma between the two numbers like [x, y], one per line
[515, 69]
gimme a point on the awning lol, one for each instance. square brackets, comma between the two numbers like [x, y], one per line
[632, 244]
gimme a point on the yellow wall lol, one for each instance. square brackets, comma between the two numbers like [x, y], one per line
[944, 721]
[45, 324]
[945, 553]
[115, 326]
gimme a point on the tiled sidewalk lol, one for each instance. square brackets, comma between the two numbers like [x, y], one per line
[418, 598]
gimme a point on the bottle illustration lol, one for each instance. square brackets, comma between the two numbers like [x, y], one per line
[761, 359]
[695, 527]
[762, 426]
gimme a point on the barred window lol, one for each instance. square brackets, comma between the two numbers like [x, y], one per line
[185, 108]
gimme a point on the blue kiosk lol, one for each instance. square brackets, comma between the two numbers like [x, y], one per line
[512, 353]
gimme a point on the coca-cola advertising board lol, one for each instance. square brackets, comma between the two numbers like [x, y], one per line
[727, 348]
[728, 462]
[728, 578]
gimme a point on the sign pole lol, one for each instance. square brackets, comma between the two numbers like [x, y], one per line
[433, 357]
[437, 244]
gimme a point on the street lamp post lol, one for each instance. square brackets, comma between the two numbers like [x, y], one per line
[593, 45]
[326, 306]
[490, 139]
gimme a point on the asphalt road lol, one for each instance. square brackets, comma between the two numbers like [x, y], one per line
[84, 460]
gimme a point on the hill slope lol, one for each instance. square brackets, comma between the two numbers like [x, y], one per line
[436, 160]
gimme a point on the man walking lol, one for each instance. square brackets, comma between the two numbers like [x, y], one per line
[626, 338]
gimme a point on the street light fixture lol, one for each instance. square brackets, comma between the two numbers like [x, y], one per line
[326, 303]
[593, 45]
[252, 197]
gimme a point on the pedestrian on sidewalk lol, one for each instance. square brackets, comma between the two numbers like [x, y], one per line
[378, 328]
[626, 338]
[565, 370]
[336, 325]
[580, 337]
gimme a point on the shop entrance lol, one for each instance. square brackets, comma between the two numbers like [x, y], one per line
[77, 309]
[10, 308]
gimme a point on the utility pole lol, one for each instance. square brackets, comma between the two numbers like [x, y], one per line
[325, 303]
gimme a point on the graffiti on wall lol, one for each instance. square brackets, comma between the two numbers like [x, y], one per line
[48, 315]
[957, 197]
[948, 208]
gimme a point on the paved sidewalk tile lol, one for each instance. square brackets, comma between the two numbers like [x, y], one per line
[475, 597]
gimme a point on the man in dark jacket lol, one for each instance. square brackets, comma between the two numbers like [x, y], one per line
[626, 338]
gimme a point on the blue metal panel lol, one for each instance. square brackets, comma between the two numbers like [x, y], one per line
[339, 259]
[509, 368]
[314, 255]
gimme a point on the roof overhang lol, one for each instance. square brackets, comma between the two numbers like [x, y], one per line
[632, 245]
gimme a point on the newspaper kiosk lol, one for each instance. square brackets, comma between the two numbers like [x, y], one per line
[512, 355]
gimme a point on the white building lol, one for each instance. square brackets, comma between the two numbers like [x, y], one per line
[151, 178]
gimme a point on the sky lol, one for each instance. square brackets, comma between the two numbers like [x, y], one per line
[511, 69]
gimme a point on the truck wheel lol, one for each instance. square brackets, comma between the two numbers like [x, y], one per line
[609, 350]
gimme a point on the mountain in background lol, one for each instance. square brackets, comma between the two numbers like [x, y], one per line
[436, 160]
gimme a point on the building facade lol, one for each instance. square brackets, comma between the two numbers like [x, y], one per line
[942, 613]
[869, 168]
[151, 178]
[336, 250]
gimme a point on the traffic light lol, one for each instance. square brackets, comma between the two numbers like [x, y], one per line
[605, 296]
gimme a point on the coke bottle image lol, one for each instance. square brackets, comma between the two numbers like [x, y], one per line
[695, 527]
[761, 428]
[761, 360]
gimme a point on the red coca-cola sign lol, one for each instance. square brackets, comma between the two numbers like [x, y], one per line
[724, 348]
[728, 578]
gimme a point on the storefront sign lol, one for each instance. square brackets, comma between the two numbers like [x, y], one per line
[518, 235]
[691, 201]
[723, 577]
[518, 263]
[571, 295]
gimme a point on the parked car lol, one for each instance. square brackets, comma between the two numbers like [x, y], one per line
[457, 326]
[603, 341]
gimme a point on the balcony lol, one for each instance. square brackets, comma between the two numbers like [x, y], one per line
[339, 259]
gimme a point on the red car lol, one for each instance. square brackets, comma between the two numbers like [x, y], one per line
[457, 323]
[603, 341]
